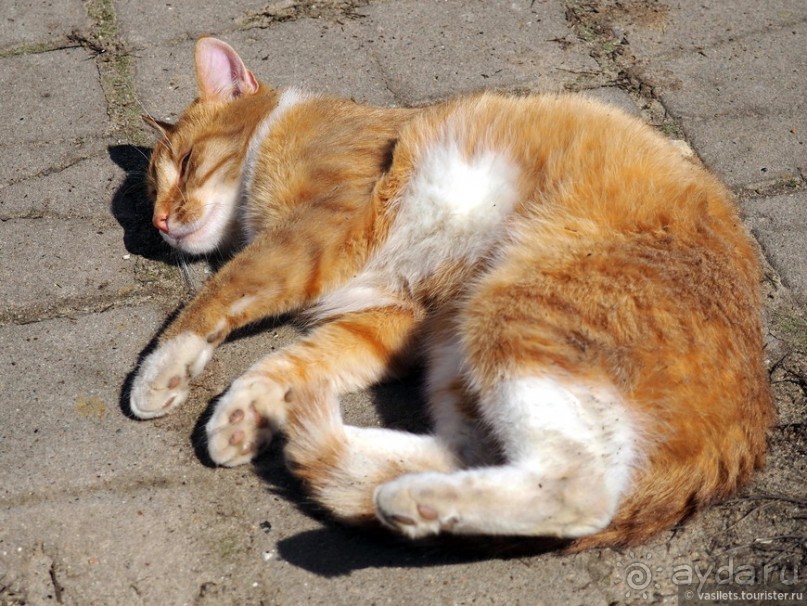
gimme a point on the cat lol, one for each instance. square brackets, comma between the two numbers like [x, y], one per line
[586, 300]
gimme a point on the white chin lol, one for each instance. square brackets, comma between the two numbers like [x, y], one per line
[212, 233]
[193, 243]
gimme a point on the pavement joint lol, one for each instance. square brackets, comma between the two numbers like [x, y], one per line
[51, 170]
[290, 10]
[39, 48]
[74, 307]
[610, 48]
[114, 61]
[773, 187]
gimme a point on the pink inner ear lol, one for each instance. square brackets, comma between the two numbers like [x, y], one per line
[220, 72]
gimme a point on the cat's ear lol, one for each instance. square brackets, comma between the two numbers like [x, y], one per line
[220, 72]
[163, 128]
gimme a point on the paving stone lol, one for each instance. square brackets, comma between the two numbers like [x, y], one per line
[332, 62]
[56, 261]
[663, 30]
[780, 225]
[742, 155]
[58, 116]
[430, 50]
[83, 189]
[61, 99]
[33, 21]
[144, 23]
[60, 382]
[745, 113]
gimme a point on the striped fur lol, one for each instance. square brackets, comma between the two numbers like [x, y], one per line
[585, 296]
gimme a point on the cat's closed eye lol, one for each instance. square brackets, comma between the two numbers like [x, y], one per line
[184, 165]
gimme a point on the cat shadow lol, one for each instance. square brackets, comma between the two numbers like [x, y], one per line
[132, 208]
[336, 550]
[126, 388]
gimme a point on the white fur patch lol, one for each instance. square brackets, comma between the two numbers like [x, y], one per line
[356, 296]
[569, 452]
[529, 410]
[241, 305]
[453, 208]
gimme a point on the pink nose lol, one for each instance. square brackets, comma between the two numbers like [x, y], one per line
[161, 222]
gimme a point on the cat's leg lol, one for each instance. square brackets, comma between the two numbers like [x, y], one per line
[569, 451]
[342, 465]
[265, 279]
[453, 406]
[348, 353]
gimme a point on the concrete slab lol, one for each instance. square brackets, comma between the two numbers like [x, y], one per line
[774, 149]
[83, 189]
[61, 98]
[431, 50]
[35, 21]
[332, 62]
[614, 96]
[665, 30]
[60, 383]
[48, 263]
[57, 117]
[93, 506]
[780, 225]
[741, 105]
[148, 22]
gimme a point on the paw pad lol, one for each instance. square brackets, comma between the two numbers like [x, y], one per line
[162, 382]
[418, 505]
[244, 420]
[237, 416]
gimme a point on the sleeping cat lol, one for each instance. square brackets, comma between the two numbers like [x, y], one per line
[585, 298]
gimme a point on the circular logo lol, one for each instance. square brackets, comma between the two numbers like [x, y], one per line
[638, 576]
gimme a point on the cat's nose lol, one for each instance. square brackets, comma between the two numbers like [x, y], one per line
[161, 222]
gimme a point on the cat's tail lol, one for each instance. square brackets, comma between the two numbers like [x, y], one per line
[343, 465]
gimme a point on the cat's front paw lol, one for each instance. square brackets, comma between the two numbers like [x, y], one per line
[245, 419]
[163, 380]
[418, 505]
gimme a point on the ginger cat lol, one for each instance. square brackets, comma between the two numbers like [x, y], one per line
[585, 297]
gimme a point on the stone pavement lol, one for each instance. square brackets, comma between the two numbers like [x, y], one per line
[96, 508]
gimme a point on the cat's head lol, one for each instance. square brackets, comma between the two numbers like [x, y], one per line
[195, 169]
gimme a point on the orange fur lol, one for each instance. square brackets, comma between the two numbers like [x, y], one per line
[621, 263]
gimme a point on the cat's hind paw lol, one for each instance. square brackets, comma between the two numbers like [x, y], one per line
[418, 505]
[163, 380]
[245, 420]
